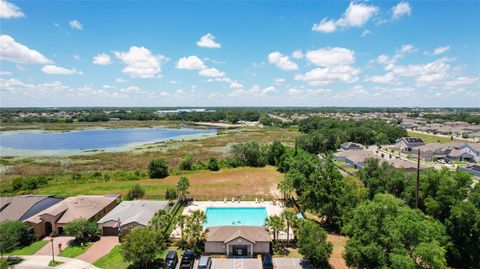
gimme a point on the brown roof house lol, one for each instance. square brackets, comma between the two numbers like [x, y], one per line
[23, 207]
[408, 143]
[237, 240]
[55, 218]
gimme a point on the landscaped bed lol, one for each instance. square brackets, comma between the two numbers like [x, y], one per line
[73, 251]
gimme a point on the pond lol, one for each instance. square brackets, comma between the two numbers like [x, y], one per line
[93, 139]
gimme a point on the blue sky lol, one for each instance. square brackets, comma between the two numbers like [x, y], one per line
[235, 53]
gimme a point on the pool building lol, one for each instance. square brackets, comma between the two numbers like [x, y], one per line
[236, 230]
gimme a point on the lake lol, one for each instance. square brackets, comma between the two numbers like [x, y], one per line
[93, 139]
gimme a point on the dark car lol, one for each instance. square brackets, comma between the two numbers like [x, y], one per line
[171, 260]
[267, 262]
[188, 259]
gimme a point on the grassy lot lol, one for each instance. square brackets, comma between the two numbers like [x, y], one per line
[30, 250]
[429, 138]
[74, 251]
[206, 184]
[112, 260]
[138, 159]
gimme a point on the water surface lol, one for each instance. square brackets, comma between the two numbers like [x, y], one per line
[93, 139]
[237, 216]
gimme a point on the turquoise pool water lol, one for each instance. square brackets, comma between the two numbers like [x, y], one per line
[240, 216]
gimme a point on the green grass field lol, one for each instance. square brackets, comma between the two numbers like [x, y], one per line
[226, 182]
[112, 260]
[30, 250]
[429, 138]
[74, 251]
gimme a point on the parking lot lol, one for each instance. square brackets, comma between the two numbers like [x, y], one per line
[246, 263]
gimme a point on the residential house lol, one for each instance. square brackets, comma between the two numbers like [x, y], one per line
[408, 143]
[237, 240]
[54, 218]
[130, 214]
[23, 207]
[352, 146]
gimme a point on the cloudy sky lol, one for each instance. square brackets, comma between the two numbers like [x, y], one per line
[235, 53]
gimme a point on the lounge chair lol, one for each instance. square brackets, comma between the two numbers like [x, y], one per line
[256, 200]
[225, 199]
[233, 199]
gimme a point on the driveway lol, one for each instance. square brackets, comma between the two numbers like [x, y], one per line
[41, 262]
[47, 249]
[99, 249]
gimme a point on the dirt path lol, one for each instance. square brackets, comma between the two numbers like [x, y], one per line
[336, 260]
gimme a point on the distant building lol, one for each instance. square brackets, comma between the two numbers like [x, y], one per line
[352, 146]
[23, 207]
[237, 240]
[130, 214]
[454, 151]
[408, 143]
[54, 218]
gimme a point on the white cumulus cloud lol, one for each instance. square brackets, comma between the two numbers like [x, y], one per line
[102, 59]
[401, 9]
[9, 10]
[140, 62]
[75, 25]
[331, 56]
[356, 15]
[441, 50]
[281, 61]
[190, 63]
[327, 75]
[57, 70]
[211, 72]
[12, 51]
[208, 41]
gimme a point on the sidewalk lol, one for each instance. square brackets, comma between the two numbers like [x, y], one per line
[41, 262]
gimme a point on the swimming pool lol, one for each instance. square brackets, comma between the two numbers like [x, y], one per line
[237, 216]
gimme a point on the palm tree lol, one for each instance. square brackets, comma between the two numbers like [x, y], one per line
[160, 221]
[181, 220]
[291, 219]
[182, 187]
[275, 224]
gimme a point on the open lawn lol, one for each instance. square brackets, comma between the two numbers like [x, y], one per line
[429, 138]
[30, 250]
[74, 251]
[112, 260]
[203, 184]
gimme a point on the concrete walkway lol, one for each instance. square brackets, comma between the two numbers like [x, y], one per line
[41, 262]
[99, 249]
[47, 249]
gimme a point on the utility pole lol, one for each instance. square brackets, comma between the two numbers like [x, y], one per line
[418, 178]
[53, 253]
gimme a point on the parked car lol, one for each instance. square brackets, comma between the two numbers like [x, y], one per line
[205, 262]
[188, 259]
[267, 262]
[171, 260]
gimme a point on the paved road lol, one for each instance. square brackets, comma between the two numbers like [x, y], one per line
[41, 262]
[99, 249]
[252, 263]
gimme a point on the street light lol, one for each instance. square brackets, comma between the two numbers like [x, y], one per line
[53, 253]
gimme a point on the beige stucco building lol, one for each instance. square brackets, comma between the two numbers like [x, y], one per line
[237, 240]
[54, 218]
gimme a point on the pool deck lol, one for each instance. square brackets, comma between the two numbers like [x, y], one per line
[273, 209]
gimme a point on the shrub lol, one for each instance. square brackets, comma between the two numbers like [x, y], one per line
[187, 162]
[213, 164]
[170, 194]
[158, 169]
[135, 192]
[83, 230]
[15, 234]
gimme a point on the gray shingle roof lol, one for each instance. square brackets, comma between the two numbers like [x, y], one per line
[228, 233]
[138, 211]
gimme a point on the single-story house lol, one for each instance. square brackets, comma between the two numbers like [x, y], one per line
[130, 214]
[54, 218]
[453, 151]
[352, 146]
[357, 159]
[237, 240]
[24, 206]
[407, 143]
